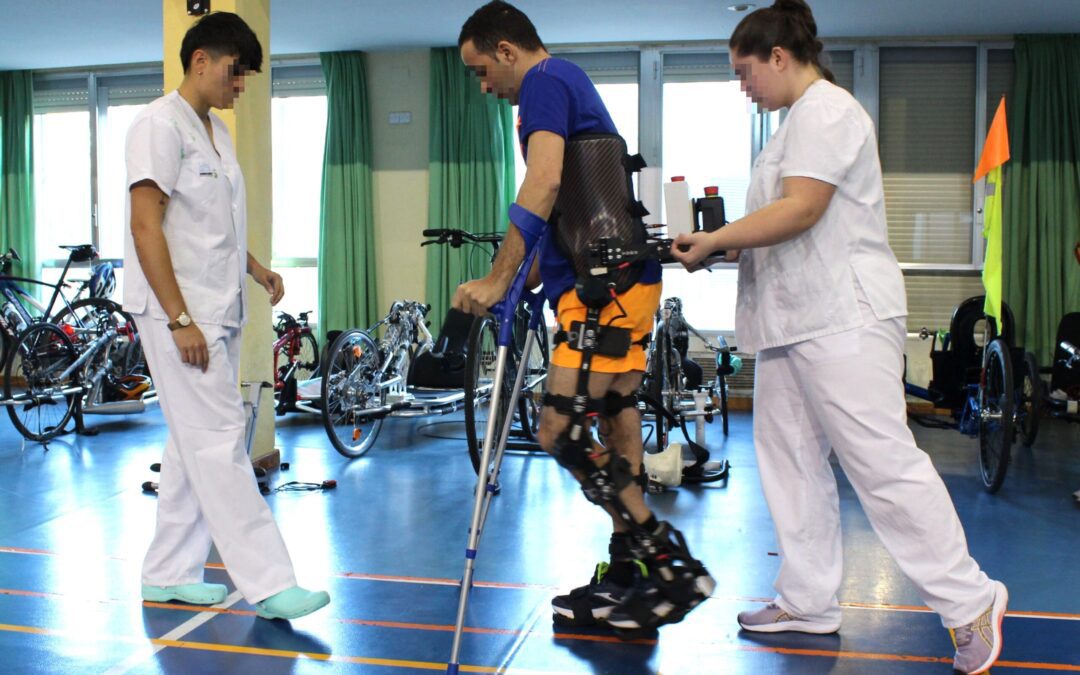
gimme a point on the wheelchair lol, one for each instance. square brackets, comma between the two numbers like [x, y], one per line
[990, 386]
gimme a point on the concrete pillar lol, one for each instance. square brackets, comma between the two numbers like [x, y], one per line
[249, 125]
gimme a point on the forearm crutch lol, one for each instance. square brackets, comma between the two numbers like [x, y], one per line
[486, 485]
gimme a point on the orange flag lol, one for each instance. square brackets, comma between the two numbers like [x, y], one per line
[996, 150]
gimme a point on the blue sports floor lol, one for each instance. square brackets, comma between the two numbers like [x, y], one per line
[388, 544]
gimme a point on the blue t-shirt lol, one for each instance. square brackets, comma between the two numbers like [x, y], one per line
[557, 96]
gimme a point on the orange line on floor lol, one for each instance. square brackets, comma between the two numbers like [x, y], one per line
[428, 665]
[439, 581]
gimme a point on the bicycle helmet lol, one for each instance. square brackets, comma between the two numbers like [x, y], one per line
[102, 280]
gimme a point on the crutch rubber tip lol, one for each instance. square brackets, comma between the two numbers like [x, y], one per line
[452, 669]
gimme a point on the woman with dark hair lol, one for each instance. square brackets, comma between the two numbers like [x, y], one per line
[185, 256]
[821, 300]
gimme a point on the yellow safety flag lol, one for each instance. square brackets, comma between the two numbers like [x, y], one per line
[995, 153]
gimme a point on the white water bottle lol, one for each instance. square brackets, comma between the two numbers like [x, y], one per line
[677, 207]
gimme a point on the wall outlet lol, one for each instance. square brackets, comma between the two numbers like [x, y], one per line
[400, 117]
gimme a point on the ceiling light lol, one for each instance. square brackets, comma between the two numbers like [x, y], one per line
[742, 7]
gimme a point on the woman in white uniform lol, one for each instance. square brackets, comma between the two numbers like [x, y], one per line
[822, 303]
[185, 259]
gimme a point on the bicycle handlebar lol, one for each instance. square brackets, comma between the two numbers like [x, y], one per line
[456, 238]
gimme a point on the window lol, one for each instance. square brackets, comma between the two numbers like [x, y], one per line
[61, 181]
[927, 142]
[708, 137]
[76, 142]
[62, 192]
[298, 136]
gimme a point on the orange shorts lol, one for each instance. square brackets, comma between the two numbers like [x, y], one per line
[639, 304]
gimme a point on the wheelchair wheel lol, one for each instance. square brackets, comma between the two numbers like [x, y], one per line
[351, 385]
[996, 410]
[35, 379]
[480, 385]
[1030, 400]
[532, 387]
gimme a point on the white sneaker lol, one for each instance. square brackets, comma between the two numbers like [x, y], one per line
[772, 619]
[978, 644]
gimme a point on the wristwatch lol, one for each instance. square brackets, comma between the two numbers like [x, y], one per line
[182, 321]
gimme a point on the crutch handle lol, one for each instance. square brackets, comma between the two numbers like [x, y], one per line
[504, 309]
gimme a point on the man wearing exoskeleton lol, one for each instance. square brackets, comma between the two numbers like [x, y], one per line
[602, 276]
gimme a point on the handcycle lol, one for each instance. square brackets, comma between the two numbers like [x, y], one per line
[480, 357]
[296, 359]
[976, 377]
[672, 390]
[363, 382]
[67, 364]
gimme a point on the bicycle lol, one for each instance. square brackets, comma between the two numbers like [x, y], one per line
[364, 382]
[481, 349]
[672, 388]
[296, 341]
[63, 358]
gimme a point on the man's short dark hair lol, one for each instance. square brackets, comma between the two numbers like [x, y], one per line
[498, 21]
[223, 34]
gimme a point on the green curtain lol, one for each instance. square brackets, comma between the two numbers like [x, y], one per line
[347, 292]
[1041, 198]
[471, 172]
[17, 168]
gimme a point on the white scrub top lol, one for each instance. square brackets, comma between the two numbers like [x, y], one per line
[205, 223]
[809, 286]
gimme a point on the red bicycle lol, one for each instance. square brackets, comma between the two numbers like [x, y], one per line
[296, 358]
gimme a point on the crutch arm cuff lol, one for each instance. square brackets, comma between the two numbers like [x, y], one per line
[530, 225]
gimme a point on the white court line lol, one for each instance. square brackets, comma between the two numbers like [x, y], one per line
[174, 635]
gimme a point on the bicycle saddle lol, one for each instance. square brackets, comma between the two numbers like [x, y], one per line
[81, 252]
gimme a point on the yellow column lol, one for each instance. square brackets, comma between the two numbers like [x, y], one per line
[249, 125]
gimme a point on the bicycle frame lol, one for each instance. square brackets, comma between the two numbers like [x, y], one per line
[290, 339]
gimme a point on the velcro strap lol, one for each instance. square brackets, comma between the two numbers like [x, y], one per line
[582, 606]
[615, 402]
[565, 404]
[612, 341]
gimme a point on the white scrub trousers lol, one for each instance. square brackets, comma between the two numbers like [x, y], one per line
[843, 392]
[207, 490]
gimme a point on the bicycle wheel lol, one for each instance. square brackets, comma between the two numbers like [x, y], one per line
[307, 359]
[659, 386]
[1030, 400]
[996, 409]
[35, 380]
[350, 386]
[480, 384]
